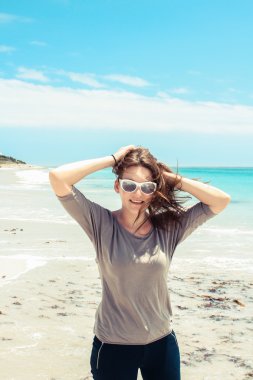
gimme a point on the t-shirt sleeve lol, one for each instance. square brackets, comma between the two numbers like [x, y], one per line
[89, 215]
[192, 218]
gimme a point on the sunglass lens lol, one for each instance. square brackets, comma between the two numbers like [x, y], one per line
[148, 188]
[128, 186]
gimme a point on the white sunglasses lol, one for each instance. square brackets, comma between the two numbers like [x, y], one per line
[130, 186]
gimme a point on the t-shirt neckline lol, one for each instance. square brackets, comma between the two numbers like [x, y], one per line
[130, 233]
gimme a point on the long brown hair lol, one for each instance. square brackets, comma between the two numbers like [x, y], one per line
[165, 206]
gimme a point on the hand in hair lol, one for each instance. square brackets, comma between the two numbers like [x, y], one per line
[173, 178]
[123, 151]
[169, 177]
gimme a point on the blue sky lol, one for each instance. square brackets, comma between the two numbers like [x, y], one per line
[175, 76]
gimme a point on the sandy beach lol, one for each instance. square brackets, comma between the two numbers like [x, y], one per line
[50, 289]
[47, 316]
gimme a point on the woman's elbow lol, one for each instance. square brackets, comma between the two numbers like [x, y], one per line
[221, 204]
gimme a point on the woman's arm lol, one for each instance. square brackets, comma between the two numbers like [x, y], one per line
[215, 198]
[63, 177]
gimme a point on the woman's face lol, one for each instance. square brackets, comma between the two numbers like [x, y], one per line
[135, 200]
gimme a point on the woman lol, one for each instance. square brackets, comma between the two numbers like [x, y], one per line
[134, 248]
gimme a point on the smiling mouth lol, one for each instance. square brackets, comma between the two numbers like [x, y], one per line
[136, 202]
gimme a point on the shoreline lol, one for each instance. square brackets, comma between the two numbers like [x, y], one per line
[9, 164]
[19, 166]
[13, 267]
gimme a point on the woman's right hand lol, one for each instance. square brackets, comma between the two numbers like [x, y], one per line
[123, 151]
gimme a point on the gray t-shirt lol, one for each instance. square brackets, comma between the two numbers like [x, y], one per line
[135, 306]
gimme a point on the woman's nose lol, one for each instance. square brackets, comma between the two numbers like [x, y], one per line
[138, 190]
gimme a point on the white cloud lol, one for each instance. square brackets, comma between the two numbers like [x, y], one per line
[234, 90]
[6, 18]
[24, 73]
[30, 105]
[87, 79]
[38, 43]
[91, 80]
[194, 72]
[179, 91]
[6, 49]
[129, 80]
[84, 78]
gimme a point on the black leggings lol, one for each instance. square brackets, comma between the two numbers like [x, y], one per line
[156, 360]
